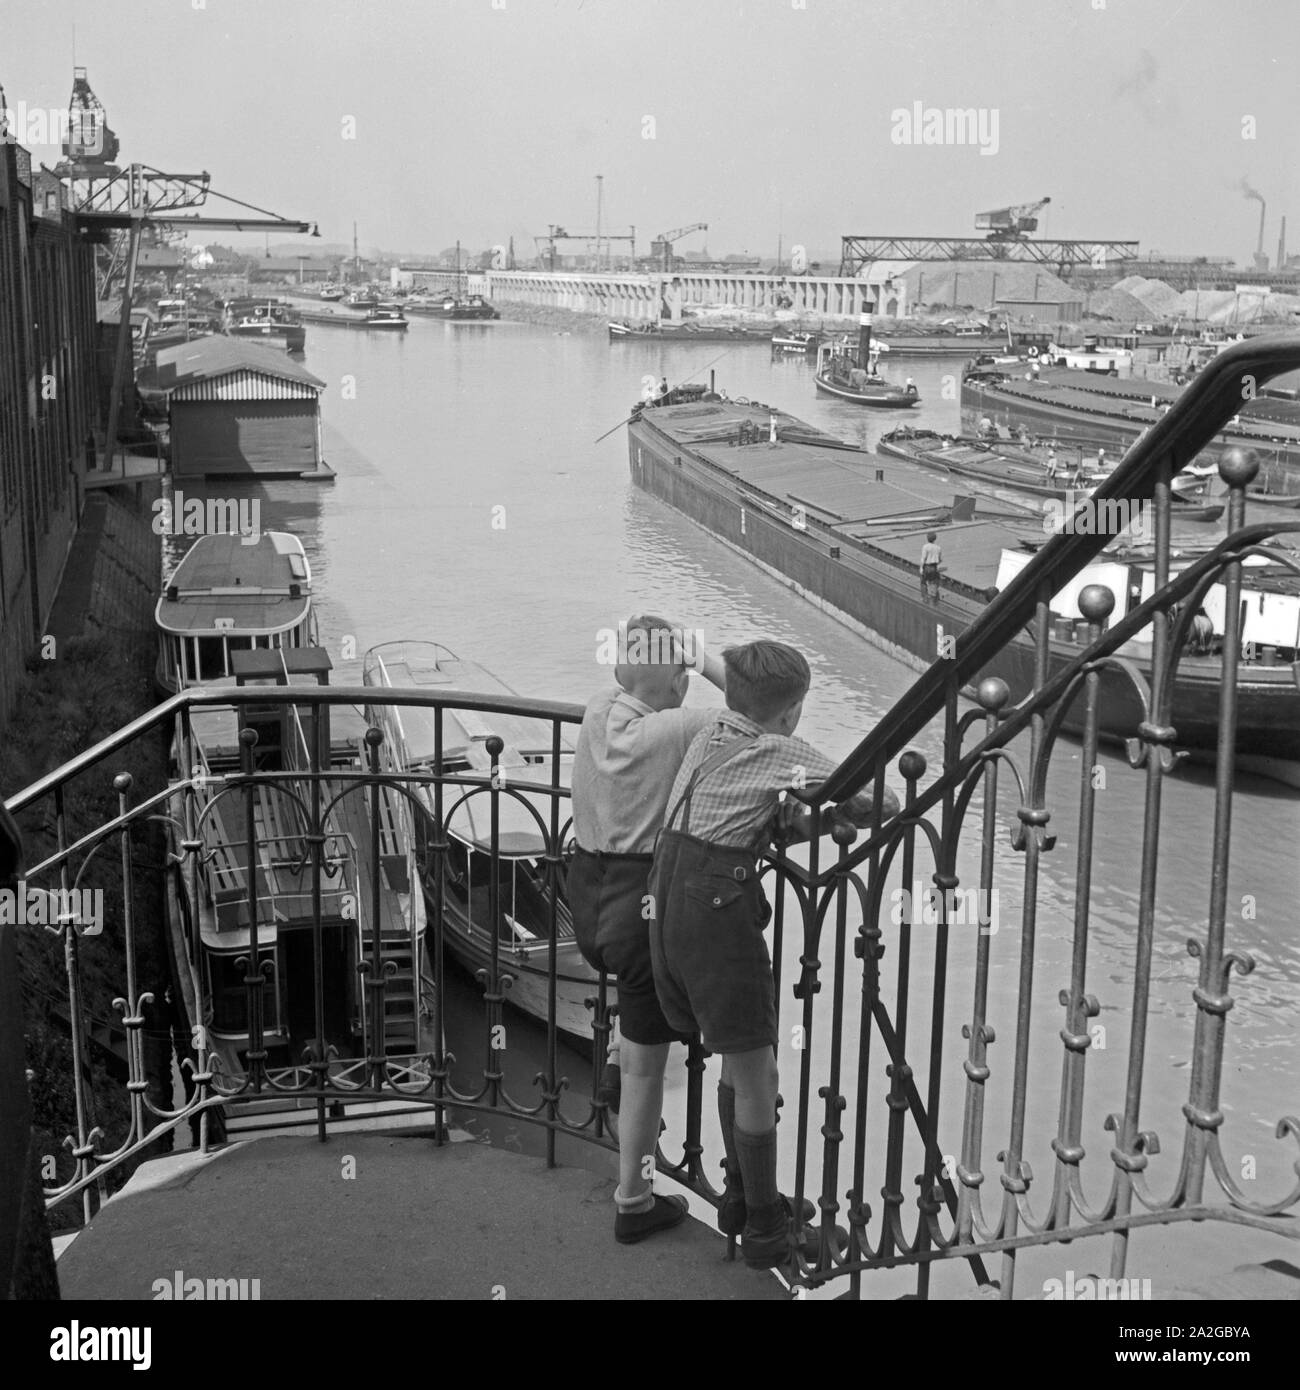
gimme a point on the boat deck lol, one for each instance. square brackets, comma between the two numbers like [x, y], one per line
[1130, 401]
[865, 497]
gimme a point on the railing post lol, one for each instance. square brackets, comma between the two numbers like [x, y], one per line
[374, 980]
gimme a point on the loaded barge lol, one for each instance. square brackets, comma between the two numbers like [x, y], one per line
[1060, 403]
[844, 528]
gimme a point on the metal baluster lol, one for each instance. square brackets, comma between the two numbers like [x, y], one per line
[130, 1006]
[1154, 749]
[912, 766]
[375, 979]
[993, 695]
[1238, 468]
[1096, 604]
[1031, 837]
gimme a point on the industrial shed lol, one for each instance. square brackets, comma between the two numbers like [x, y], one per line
[238, 409]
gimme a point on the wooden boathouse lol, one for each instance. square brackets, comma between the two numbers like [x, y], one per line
[239, 409]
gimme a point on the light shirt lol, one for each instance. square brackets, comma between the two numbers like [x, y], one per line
[734, 804]
[930, 553]
[623, 770]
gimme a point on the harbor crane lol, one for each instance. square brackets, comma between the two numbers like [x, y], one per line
[556, 233]
[1010, 224]
[661, 248]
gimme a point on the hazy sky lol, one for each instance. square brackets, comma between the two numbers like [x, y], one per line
[482, 119]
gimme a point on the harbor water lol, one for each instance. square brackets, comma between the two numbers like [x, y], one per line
[473, 507]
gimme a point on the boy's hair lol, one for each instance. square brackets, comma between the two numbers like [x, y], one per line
[661, 640]
[931, 536]
[763, 678]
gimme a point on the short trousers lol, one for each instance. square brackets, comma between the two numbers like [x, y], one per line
[712, 969]
[606, 897]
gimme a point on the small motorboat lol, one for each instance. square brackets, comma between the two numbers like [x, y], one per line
[387, 315]
[806, 343]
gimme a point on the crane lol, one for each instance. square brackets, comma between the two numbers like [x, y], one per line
[557, 233]
[1010, 224]
[661, 248]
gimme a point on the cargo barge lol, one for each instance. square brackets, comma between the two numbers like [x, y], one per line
[844, 528]
[1057, 403]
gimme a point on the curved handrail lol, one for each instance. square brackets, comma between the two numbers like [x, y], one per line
[203, 697]
[1196, 418]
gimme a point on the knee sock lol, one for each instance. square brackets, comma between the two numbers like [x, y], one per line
[756, 1154]
[727, 1115]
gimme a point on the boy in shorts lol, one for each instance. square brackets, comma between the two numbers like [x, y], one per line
[632, 741]
[712, 970]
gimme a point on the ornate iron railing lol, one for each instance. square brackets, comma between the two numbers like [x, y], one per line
[853, 906]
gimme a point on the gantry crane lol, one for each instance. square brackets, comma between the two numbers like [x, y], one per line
[557, 233]
[661, 248]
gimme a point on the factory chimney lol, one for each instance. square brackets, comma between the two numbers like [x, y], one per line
[1261, 260]
[1281, 246]
[864, 334]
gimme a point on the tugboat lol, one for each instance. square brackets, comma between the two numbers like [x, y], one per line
[854, 375]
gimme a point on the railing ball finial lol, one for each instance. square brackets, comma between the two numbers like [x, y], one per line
[248, 737]
[912, 765]
[844, 832]
[1238, 467]
[1096, 602]
[374, 737]
[122, 782]
[495, 745]
[992, 693]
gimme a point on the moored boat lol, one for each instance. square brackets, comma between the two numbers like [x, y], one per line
[848, 538]
[386, 315]
[687, 332]
[806, 343]
[231, 593]
[527, 902]
[267, 319]
[1066, 405]
[234, 900]
[1033, 468]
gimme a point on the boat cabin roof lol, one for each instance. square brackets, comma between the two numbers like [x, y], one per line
[428, 666]
[230, 584]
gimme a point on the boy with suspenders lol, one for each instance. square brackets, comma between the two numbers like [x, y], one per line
[712, 971]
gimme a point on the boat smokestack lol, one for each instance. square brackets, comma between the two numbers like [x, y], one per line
[1281, 246]
[864, 333]
[1259, 250]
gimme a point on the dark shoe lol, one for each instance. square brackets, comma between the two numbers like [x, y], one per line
[630, 1227]
[610, 1089]
[766, 1238]
[732, 1212]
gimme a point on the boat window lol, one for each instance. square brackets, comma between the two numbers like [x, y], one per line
[209, 658]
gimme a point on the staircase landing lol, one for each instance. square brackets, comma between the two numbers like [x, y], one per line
[416, 1221]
